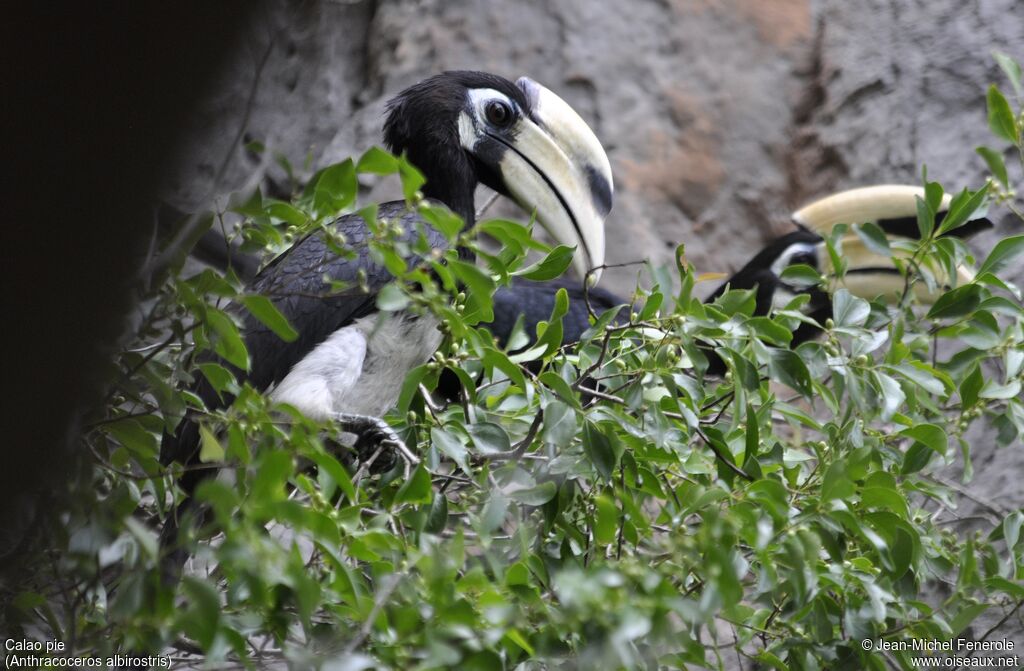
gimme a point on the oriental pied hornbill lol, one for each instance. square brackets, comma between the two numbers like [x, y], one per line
[459, 128]
[891, 207]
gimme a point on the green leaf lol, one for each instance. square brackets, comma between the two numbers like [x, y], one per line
[995, 163]
[994, 390]
[144, 535]
[535, 496]
[377, 161]
[598, 448]
[959, 302]
[286, 212]
[489, 438]
[744, 371]
[264, 310]
[916, 458]
[210, 449]
[560, 387]
[651, 306]
[926, 377]
[892, 395]
[963, 205]
[451, 446]
[417, 489]
[771, 496]
[443, 220]
[1012, 70]
[1002, 254]
[1000, 116]
[770, 330]
[517, 638]
[787, 367]
[606, 520]
[336, 471]
[550, 267]
[970, 387]
[479, 291]
[219, 377]
[494, 511]
[391, 298]
[559, 424]
[1012, 528]
[752, 437]
[495, 359]
[931, 436]
[925, 217]
[966, 616]
[437, 517]
[874, 238]
[412, 179]
[551, 336]
[836, 483]
[801, 273]
[336, 188]
[202, 614]
[275, 466]
[849, 310]
[511, 233]
[134, 437]
[885, 498]
[229, 343]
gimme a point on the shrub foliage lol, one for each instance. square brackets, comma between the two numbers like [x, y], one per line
[617, 509]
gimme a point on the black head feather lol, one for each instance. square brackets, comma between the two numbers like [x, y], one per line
[422, 123]
[753, 273]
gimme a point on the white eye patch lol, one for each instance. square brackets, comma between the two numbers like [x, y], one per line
[478, 99]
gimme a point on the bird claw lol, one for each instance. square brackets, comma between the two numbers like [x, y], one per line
[377, 444]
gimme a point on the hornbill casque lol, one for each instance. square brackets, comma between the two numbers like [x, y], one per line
[348, 364]
[892, 207]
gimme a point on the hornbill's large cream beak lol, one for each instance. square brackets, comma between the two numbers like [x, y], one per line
[549, 161]
[869, 274]
[856, 206]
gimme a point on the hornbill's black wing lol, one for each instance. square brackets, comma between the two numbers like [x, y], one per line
[295, 282]
[536, 300]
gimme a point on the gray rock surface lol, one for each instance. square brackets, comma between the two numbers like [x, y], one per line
[719, 117]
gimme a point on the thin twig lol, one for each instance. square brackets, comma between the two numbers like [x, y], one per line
[1001, 622]
[487, 204]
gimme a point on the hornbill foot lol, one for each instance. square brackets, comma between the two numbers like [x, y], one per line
[377, 445]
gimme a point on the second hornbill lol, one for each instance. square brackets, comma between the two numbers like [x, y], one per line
[891, 207]
[349, 362]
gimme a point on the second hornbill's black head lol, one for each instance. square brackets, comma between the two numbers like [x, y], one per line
[764, 273]
[462, 128]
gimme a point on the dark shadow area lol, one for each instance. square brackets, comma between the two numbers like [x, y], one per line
[95, 98]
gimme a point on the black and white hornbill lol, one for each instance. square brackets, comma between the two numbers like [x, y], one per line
[892, 207]
[348, 363]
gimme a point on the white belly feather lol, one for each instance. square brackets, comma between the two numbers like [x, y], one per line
[360, 368]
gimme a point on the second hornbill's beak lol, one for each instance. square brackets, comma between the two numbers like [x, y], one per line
[893, 207]
[549, 161]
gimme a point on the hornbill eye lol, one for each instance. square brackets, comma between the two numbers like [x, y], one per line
[805, 258]
[498, 113]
